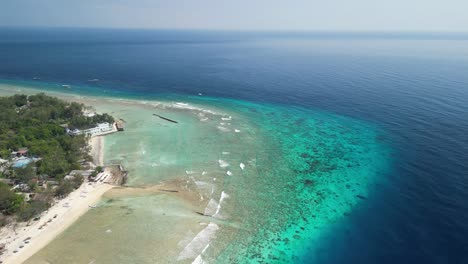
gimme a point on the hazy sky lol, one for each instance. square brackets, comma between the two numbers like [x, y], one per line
[361, 15]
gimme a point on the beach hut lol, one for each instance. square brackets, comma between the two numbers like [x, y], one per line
[120, 125]
[20, 153]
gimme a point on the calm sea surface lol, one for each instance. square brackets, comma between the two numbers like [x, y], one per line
[410, 91]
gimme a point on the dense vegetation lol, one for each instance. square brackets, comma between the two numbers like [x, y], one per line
[38, 122]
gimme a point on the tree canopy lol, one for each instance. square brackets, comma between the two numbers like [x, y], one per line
[38, 122]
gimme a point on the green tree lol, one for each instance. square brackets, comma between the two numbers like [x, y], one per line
[25, 174]
[77, 181]
[20, 99]
[10, 201]
[99, 169]
[65, 187]
[33, 209]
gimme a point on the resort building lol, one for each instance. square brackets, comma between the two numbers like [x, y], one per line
[99, 129]
[74, 132]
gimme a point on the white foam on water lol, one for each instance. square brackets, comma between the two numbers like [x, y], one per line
[226, 118]
[229, 173]
[224, 129]
[199, 243]
[221, 199]
[222, 123]
[199, 259]
[237, 130]
[207, 246]
[154, 164]
[205, 186]
[188, 107]
[223, 164]
[202, 117]
[188, 172]
[204, 173]
[202, 184]
[211, 208]
[226, 152]
[242, 166]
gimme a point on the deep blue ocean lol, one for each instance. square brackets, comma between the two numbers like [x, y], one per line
[412, 85]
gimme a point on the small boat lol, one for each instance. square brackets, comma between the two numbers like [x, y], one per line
[93, 80]
[66, 86]
[92, 206]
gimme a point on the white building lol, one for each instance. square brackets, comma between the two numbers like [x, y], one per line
[74, 132]
[99, 129]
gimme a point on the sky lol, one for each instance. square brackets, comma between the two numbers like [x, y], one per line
[309, 15]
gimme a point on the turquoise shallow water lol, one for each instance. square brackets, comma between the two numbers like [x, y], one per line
[412, 85]
[304, 170]
[312, 168]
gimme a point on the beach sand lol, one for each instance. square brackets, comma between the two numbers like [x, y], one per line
[155, 163]
[67, 211]
[97, 150]
[61, 215]
[220, 211]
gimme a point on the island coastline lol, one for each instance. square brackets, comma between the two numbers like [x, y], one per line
[21, 240]
[63, 214]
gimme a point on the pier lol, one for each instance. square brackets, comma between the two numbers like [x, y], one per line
[112, 174]
[165, 118]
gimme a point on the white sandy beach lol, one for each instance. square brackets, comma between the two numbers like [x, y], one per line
[184, 241]
[67, 211]
[97, 146]
[61, 215]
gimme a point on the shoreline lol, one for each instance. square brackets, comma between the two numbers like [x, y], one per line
[79, 202]
[193, 245]
[97, 150]
[62, 214]
[92, 100]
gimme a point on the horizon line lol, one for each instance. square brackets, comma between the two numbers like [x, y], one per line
[395, 31]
